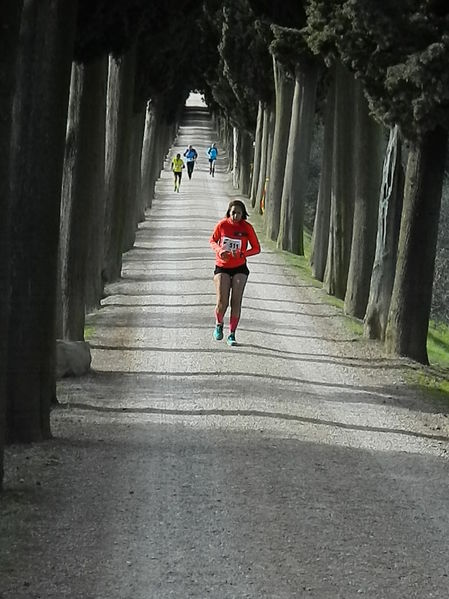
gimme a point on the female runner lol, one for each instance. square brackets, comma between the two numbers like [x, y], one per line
[233, 241]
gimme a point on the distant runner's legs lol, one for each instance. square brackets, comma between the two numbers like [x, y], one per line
[190, 166]
[177, 181]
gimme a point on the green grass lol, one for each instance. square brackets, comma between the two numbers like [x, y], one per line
[88, 332]
[438, 344]
[435, 377]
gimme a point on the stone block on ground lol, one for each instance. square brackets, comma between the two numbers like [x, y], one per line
[73, 358]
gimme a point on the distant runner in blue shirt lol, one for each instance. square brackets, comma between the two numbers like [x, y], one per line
[190, 155]
[212, 152]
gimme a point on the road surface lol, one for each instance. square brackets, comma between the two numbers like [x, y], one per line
[295, 465]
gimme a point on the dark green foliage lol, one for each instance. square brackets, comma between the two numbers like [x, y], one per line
[399, 50]
[239, 74]
[288, 13]
[106, 26]
[246, 61]
[240, 50]
[217, 48]
[324, 26]
[166, 35]
[290, 48]
[285, 20]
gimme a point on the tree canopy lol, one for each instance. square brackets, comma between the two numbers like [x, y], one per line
[400, 51]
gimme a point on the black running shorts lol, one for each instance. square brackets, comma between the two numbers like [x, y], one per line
[243, 269]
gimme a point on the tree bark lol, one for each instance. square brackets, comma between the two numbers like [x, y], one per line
[257, 154]
[264, 163]
[267, 152]
[95, 86]
[158, 150]
[284, 86]
[320, 235]
[8, 51]
[245, 151]
[136, 127]
[148, 158]
[235, 157]
[342, 190]
[369, 148]
[119, 107]
[38, 138]
[229, 141]
[408, 319]
[82, 189]
[291, 232]
[388, 224]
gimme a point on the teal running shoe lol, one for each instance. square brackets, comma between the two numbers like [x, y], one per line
[231, 339]
[218, 332]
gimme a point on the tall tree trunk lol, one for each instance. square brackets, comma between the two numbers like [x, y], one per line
[8, 51]
[264, 179]
[369, 148]
[342, 191]
[245, 151]
[388, 225]
[291, 232]
[38, 130]
[229, 142]
[235, 157]
[158, 150]
[408, 319]
[257, 154]
[119, 107]
[95, 86]
[320, 235]
[270, 145]
[132, 215]
[222, 131]
[148, 157]
[264, 163]
[82, 189]
[284, 87]
[163, 147]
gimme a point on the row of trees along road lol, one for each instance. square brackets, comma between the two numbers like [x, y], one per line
[91, 93]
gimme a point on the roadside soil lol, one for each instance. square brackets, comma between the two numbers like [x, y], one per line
[296, 464]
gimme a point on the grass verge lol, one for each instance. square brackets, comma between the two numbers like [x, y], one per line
[88, 332]
[435, 377]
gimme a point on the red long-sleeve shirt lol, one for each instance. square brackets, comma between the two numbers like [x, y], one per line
[235, 236]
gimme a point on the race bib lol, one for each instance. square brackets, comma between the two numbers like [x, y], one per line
[231, 245]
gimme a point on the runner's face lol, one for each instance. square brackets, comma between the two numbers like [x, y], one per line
[236, 213]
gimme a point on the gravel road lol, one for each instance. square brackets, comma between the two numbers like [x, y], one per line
[296, 464]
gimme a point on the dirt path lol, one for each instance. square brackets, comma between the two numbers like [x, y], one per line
[294, 465]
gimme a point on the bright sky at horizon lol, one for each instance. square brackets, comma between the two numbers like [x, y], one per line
[195, 99]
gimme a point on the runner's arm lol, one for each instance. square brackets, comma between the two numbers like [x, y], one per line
[254, 243]
[214, 240]
[215, 244]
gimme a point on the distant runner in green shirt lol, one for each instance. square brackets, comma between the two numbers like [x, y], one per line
[177, 164]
